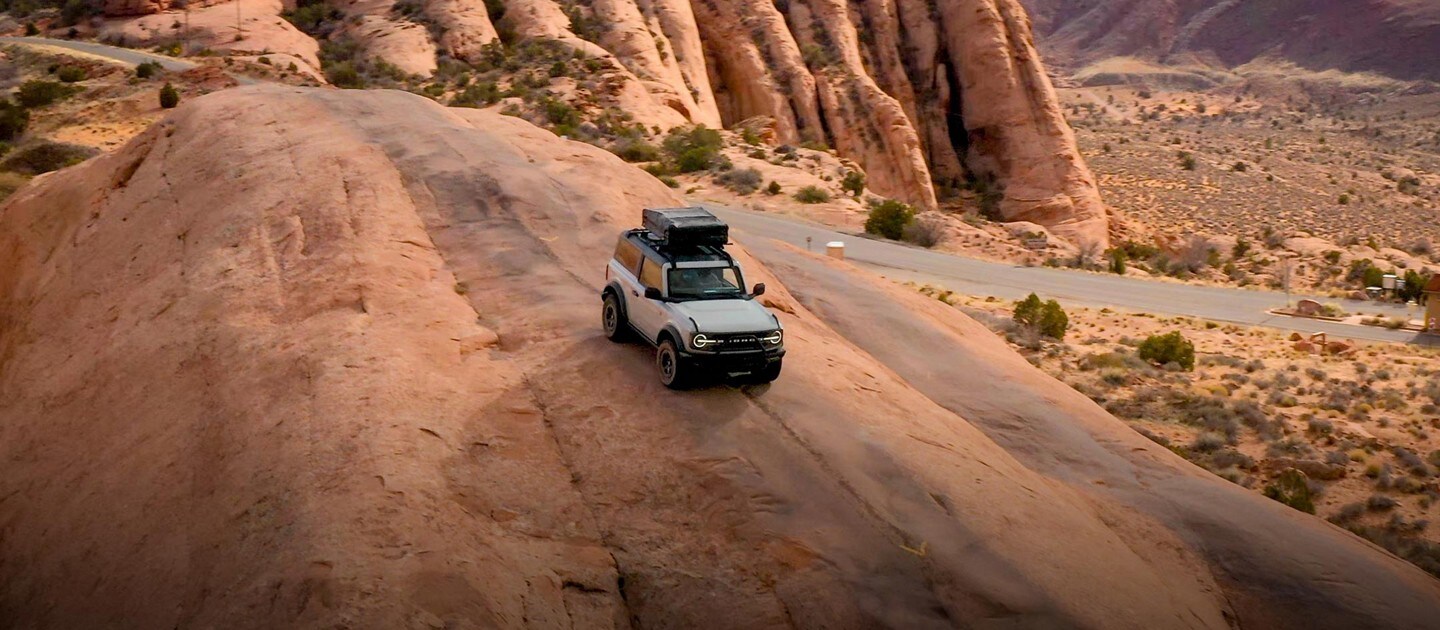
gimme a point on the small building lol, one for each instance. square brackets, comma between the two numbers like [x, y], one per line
[1432, 304]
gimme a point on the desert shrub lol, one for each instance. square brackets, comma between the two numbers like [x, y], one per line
[316, 18]
[344, 75]
[13, 120]
[38, 93]
[1293, 489]
[743, 181]
[1118, 259]
[43, 157]
[1380, 503]
[773, 188]
[70, 74]
[1169, 348]
[148, 69]
[169, 96]
[478, 94]
[1187, 161]
[1207, 442]
[888, 218]
[853, 183]
[925, 232]
[73, 11]
[637, 150]
[1048, 318]
[694, 149]
[812, 194]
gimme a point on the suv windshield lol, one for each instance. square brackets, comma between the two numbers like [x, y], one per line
[705, 283]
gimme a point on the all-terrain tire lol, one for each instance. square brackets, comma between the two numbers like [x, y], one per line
[675, 372]
[613, 320]
[767, 375]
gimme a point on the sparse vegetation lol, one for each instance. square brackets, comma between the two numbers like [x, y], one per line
[169, 96]
[812, 194]
[39, 93]
[889, 218]
[1046, 317]
[853, 183]
[1169, 349]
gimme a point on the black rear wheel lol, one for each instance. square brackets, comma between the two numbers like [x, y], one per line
[612, 317]
[675, 372]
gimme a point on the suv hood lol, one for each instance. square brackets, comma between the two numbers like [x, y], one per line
[728, 316]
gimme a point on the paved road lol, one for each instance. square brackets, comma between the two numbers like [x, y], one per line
[123, 55]
[978, 277]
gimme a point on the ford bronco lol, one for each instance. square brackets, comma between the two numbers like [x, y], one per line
[673, 284]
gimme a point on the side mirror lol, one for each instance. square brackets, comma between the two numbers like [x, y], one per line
[652, 293]
[759, 290]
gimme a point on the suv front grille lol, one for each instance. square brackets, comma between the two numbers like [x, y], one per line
[738, 343]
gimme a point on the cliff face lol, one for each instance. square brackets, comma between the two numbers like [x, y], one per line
[927, 98]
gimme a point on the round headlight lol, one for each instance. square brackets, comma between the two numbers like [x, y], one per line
[701, 341]
[773, 338]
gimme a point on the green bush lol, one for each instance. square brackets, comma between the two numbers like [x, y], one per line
[812, 194]
[70, 74]
[1293, 489]
[73, 11]
[1169, 348]
[694, 149]
[637, 150]
[38, 93]
[477, 94]
[43, 157]
[1046, 317]
[169, 96]
[888, 218]
[854, 183]
[13, 120]
[148, 69]
[773, 188]
[1118, 258]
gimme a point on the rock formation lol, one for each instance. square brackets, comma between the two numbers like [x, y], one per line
[317, 358]
[927, 98]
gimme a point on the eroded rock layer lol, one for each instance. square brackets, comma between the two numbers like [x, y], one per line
[928, 98]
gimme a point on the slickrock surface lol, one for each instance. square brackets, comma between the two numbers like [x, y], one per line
[299, 357]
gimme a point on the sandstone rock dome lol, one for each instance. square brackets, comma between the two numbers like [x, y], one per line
[311, 358]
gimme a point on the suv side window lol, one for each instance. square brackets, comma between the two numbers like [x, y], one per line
[650, 275]
[628, 255]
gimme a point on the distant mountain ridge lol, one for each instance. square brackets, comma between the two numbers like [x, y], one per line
[1396, 38]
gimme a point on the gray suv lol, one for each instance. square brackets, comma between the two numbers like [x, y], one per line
[686, 296]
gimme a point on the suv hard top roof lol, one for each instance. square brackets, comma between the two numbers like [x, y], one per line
[656, 248]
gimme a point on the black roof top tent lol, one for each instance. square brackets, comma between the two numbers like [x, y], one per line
[679, 229]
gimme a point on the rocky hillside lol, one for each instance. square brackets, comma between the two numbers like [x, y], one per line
[1397, 38]
[302, 357]
[930, 100]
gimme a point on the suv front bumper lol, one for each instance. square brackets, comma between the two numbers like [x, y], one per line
[735, 361]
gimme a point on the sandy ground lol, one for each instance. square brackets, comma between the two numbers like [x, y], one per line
[313, 357]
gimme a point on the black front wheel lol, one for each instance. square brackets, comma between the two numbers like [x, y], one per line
[612, 317]
[675, 372]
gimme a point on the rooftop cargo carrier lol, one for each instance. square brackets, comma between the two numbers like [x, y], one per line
[686, 227]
